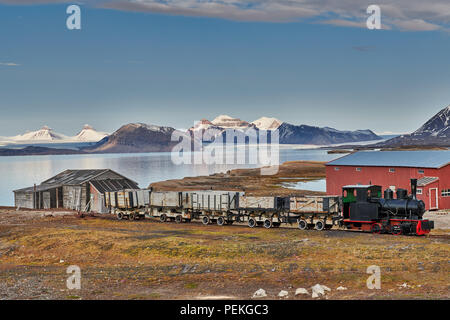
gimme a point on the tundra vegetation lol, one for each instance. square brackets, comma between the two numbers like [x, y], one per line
[152, 260]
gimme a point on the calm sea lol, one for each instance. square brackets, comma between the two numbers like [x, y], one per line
[144, 168]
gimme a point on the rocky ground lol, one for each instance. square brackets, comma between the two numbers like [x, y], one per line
[152, 260]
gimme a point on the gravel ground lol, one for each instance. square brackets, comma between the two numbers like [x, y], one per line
[441, 219]
[152, 260]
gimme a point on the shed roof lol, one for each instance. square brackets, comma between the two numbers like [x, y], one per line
[73, 178]
[414, 159]
[426, 181]
[110, 185]
[78, 177]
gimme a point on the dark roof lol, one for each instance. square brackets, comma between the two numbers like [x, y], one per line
[77, 177]
[414, 159]
[38, 188]
[426, 180]
[109, 185]
[73, 178]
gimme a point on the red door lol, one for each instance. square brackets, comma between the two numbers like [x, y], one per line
[433, 198]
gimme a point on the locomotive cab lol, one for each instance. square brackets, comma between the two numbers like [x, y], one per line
[357, 202]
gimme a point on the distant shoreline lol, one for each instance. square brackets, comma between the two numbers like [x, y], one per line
[45, 151]
[251, 181]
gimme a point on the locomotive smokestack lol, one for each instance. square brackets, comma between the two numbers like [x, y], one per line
[414, 188]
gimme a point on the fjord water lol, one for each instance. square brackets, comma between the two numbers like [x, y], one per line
[144, 168]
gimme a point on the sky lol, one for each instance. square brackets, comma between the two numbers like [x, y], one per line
[175, 62]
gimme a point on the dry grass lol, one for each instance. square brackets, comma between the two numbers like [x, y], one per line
[151, 260]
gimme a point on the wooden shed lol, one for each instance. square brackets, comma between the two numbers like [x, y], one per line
[81, 190]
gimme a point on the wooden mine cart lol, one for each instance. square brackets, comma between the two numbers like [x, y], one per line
[130, 203]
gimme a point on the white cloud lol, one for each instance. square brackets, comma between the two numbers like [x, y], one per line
[417, 25]
[345, 23]
[9, 64]
[405, 15]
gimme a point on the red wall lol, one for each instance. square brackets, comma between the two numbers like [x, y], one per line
[444, 183]
[381, 176]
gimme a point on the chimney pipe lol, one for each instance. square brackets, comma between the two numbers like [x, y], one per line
[414, 188]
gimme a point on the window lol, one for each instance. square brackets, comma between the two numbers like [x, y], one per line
[419, 191]
[358, 169]
[421, 172]
[391, 169]
[445, 193]
[336, 168]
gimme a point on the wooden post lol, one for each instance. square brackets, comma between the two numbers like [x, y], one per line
[57, 197]
[34, 196]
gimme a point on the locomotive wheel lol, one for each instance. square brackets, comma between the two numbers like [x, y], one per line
[319, 225]
[220, 221]
[396, 230]
[179, 219]
[377, 228]
[205, 220]
[120, 216]
[251, 222]
[131, 216]
[163, 218]
[267, 224]
[276, 224]
[302, 224]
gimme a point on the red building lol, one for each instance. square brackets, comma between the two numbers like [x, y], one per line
[394, 169]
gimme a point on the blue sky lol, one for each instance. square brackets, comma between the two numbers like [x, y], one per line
[172, 68]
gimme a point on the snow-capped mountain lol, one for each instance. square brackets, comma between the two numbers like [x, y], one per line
[89, 134]
[228, 122]
[288, 133]
[45, 134]
[48, 135]
[304, 134]
[434, 132]
[265, 123]
[137, 137]
[205, 130]
[437, 126]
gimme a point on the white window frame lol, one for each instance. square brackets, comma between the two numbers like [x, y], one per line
[391, 170]
[445, 192]
[420, 171]
[336, 168]
[358, 169]
[419, 191]
[437, 198]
